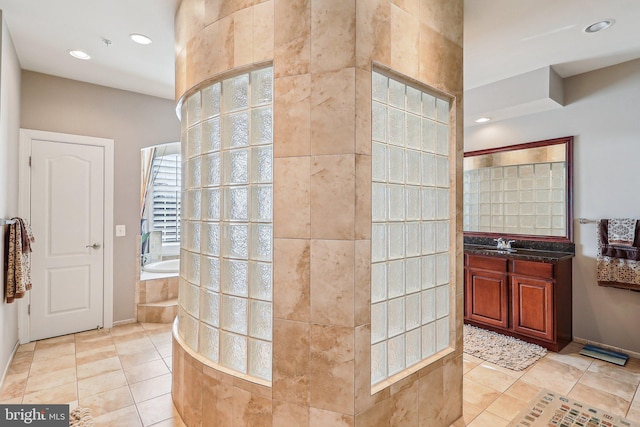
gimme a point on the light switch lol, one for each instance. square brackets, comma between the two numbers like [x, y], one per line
[121, 230]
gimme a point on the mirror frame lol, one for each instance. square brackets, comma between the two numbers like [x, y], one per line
[568, 237]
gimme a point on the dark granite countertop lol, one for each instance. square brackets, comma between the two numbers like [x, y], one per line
[518, 253]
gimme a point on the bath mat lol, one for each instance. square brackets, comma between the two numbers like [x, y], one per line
[552, 409]
[508, 352]
[81, 417]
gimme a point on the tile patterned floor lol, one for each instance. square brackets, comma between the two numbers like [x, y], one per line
[123, 375]
[493, 396]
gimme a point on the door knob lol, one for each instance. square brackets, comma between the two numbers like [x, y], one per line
[94, 246]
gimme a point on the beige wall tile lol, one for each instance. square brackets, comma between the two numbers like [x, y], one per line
[292, 112]
[218, 38]
[291, 197]
[363, 398]
[263, 29]
[218, 9]
[292, 38]
[332, 282]
[332, 369]
[363, 111]
[251, 387]
[250, 409]
[452, 379]
[323, 418]
[291, 351]
[224, 404]
[290, 414]
[333, 35]
[242, 37]
[410, 6]
[405, 37]
[362, 303]
[363, 197]
[291, 279]
[154, 290]
[440, 61]
[445, 17]
[333, 112]
[188, 22]
[373, 33]
[192, 392]
[400, 409]
[333, 197]
[210, 387]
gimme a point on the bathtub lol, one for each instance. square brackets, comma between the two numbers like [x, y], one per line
[168, 266]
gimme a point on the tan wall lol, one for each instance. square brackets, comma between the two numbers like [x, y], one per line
[322, 51]
[133, 121]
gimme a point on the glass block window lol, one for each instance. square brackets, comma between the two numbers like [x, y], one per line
[225, 295]
[528, 198]
[410, 290]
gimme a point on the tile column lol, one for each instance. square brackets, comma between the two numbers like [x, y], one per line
[322, 52]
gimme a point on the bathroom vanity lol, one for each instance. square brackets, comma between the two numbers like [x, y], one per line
[525, 294]
[523, 194]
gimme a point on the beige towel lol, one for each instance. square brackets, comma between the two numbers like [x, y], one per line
[19, 241]
[622, 231]
[616, 272]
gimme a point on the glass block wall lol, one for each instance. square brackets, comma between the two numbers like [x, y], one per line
[225, 295]
[410, 290]
[521, 199]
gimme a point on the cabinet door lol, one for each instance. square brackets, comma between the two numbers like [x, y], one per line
[487, 298]
[532, 307]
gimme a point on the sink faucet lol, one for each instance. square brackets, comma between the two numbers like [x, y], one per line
[503, 244]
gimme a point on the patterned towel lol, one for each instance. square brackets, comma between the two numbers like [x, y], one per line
[618, 272]
[19, 241]
[622, 232]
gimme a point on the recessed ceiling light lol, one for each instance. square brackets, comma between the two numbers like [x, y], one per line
[599, 26]
[140, 38]
[78, 54]
[483, 119]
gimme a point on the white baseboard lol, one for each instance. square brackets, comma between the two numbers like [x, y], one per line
[124, 322]
[6, 368]
[607, 347]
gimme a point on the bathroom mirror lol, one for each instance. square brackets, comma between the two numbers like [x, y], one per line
[521, 192]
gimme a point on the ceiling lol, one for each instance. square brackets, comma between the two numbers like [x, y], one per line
[44, 30]
[502, 38]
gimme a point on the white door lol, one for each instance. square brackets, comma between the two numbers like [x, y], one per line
[67, 206]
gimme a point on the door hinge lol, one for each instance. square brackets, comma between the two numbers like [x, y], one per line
[29, 161]
[29, 310]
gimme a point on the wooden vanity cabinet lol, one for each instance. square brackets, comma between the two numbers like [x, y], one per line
[530, 300]
[487, 289]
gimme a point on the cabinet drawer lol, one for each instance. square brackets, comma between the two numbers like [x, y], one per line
[487, 263]
[532, 268]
